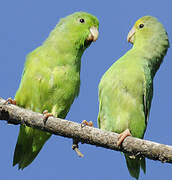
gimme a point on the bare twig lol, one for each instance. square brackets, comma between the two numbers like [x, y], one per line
[90, 135]
[75, 147]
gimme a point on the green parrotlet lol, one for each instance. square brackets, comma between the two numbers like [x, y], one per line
[51, 79]
[126, 89]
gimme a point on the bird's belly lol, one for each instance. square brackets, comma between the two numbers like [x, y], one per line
[122, 111]
[135, 122]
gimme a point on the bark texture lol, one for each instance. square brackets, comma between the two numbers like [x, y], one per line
[89, 135]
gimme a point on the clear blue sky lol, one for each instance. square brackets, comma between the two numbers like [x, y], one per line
[24, 26]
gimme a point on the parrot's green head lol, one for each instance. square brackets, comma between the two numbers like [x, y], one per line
[80, 29]
[148, 31]
[150, 39]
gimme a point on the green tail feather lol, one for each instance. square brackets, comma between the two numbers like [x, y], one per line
[29, 144]
[143, 165]
[134, 164]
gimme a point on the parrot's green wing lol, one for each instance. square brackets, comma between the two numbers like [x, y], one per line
[147, 94]
[135, 163]
[126, 89]
[51, 79]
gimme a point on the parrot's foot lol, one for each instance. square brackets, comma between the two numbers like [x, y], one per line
[46, 116]
[122, 136]
[85, 123]
[10, 101]
[75, 147]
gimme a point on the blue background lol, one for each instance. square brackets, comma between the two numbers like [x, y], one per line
[24, 25]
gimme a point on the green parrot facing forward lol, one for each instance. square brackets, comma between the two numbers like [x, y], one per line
[51, 79]
[126, 89]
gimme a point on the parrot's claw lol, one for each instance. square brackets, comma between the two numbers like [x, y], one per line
[85, 123]
[122, 136]
[10, 101]
[46, 116]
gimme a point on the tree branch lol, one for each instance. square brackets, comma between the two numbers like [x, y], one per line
[89, 135]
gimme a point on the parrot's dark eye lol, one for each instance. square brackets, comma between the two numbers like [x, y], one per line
[81, 20]
[141, 26]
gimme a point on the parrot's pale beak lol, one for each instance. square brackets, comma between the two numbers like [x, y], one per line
[94, 33]
[130, 37]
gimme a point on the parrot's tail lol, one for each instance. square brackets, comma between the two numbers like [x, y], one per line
[134, 164]
[29, 144]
